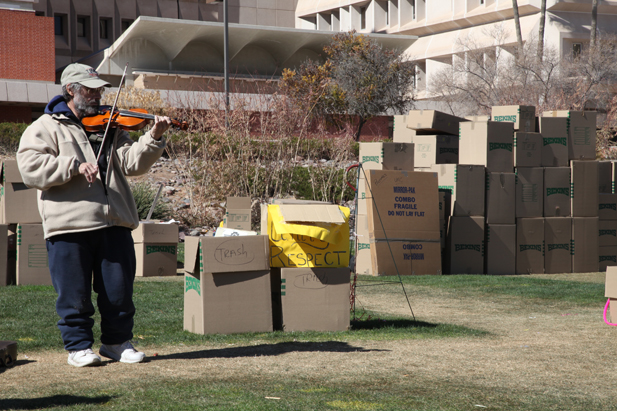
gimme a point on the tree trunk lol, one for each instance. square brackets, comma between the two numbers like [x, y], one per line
[594, 24]
[541, 30]
[361, 123]
[517, 25]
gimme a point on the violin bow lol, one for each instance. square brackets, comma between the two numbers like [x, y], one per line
[111, 113]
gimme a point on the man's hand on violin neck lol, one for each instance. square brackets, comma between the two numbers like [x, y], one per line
[161, 124]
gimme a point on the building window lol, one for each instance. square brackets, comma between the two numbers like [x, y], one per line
[105, 28]
[39, 13]
[126, 24]
[59, 24]
[362, 18]
[82, 26]
[577, 48]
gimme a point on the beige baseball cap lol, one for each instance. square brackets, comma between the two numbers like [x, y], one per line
[82, 74]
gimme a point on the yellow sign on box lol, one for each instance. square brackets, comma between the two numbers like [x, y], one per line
[308, 235]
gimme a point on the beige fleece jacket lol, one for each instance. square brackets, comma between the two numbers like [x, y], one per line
[50, 151]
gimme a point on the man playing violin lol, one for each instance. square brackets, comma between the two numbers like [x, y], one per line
[88, 212]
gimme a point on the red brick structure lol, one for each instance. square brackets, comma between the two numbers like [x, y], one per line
[15, 114]
[27, 48]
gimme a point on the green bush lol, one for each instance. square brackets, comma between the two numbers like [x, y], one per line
[144, 195]
[10, 134]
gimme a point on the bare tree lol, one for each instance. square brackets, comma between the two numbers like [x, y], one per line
[541, 30]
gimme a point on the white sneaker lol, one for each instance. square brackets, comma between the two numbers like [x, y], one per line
[124, 352]
[84, 358]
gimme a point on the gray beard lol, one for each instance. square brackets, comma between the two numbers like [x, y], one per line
[82, 107]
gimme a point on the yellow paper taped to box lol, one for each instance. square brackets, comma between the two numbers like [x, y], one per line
[305, 235]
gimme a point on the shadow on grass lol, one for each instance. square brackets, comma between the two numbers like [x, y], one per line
[265, 349]
[16, 364]
[51, 402]
[377, 323]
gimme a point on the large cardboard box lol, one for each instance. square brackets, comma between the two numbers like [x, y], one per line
[466, 245]
[403, 205]
[527, 149]
[585, 247]
[309, 235]
[470, 186]
[32, 263]
[607, 232]
[554, 131]
[557, 201]
[446, 181]
[607, 257]
[363, 264]
[529, 246]
[400, 133]
[610, 291]
[238, 213]
[433, 122]
[398, 156]
[371, 156]
[18, 203]
[500, 198]
[227, 285]
[529, 192]
[605, 177]
[500, 249]
[607, 206]
[406, 257]
[523, 117]
[439, 149]
[312, 299]
[6, 276]
[557, 236]
[489, 143]
[581, 133]
[156, 249]
[584, 188]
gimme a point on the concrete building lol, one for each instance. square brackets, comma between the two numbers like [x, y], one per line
[442, 26]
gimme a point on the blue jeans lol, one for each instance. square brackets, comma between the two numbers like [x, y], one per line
[103, 260]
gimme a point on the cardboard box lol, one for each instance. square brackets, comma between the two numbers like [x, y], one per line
[312, 299]
[527, 149]
[371, 156]
[398, 156]
[614, 175]
[529, 190]
[400, 133]
[466, 245]
[156, 249]
[490, 144]
[581, 133]
[605, 177]
[585, 246]
[501, 198]
[227, 285]
[439, 149]
[607, 232]
[238, 213]
[363, 264]
[607, 206]
[403, 206]
[610, 291]
[529, 245]
[478, 118]
[406, 257]
[584, 188]
[557, 236]
[18, 203]
[445, 199]
[500, 249]
[433, 122]
[557, 201]
[470, 185]
[32, 263]
[6, 277]
[554, 131]
[446, 181]
[523, 117]
[607, 257]
[309, 235]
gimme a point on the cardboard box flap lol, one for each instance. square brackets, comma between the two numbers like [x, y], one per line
[10, 172]
[610, 287]
[235, 254]
[330, 214]
[236, 203]
[153, 232]
[191, 254]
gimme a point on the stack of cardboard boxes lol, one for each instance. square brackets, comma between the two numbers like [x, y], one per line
[549, 206]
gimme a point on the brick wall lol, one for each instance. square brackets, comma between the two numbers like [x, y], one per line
[15, 114]
[27, 46]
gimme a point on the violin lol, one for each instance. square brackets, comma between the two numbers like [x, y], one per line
[131, 120]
